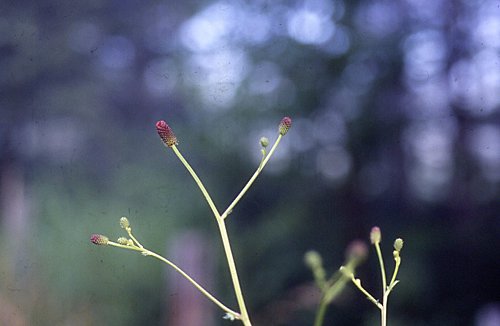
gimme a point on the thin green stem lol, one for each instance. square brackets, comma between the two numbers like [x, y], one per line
[252, 179]
[198, 182]
[264, 153]
[320, 277]
[384, 285]
[391, 285]
[129, 231]
[234, 275]
[336, 288]
[328, 296]
[382, 266]
[320, 313]
[225, 239]
[384, 310]
[357, 283]
[147, 252]
[396, 270]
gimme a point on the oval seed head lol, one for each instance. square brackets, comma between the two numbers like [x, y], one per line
[264, 142]
[375, 235]
[124, 223]
[99, 239]
[398, 244]
[285, 125]
[166, 134]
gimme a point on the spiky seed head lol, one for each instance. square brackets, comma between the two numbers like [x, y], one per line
[375, 235]
[285, 125]
[99, 239]
[166, 134]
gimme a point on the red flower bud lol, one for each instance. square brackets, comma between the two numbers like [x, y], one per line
[285, 124]
[166, 134]
[99, 239]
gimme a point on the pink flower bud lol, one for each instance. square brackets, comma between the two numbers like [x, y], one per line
[166, 134]
[99, 239]
[375, 235]
[285, 124]
[357, 250]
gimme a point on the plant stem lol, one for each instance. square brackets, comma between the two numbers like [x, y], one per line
[383, 311]
[394, 275]
[328, 295]
[148, 252]
[252, 179]
[129, 231]
[225, 239]
[389, 289]
[320, 313]
[234, 275]
[370, 297]
[198, 182]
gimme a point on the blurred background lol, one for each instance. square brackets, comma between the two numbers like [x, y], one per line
[395, 108]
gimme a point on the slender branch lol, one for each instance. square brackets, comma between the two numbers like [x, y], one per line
[384, 285]
[382, 267]
[320, 313]
[396, 270]
[198, 182]
[129, 231]
[328, 295]
[225, 238]
[252, 179]
[357, 283]
[336, 288]
[147, 252]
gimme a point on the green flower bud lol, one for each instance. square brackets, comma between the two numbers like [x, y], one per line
[264, 142]
[124, 223]
[398, 244]
[122, 241]
[313, 259]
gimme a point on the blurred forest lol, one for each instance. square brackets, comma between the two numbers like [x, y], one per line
[396, 123]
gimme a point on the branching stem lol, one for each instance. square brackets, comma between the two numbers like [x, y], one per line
[357, 283]
[225, 239]
[252, 179]
[383, 311]
[147, 252]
